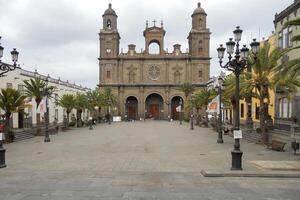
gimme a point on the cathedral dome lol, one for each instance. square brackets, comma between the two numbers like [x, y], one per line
[199, 10]
[109, 11]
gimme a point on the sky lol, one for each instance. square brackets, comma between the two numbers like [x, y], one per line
[60, 37]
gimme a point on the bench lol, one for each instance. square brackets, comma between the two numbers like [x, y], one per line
[277, 145]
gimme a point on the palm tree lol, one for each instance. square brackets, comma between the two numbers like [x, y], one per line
[36, 88]
[262, 80]
[95, 99]
[10, 101]
[80, 105]
[108, 98]
[68, 102]
[187, 89]
[201, 100]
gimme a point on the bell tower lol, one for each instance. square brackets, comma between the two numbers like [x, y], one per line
[109, 35]
[199, 35]
[156, 35]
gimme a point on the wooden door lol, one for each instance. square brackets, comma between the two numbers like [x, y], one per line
[132, 112]
[175, 114]
[21, 119]
[154, 111]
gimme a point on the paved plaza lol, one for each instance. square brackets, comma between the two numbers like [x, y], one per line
[154, 160]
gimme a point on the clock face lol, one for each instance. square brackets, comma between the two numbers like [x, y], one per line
[154, 72]
[108, 50]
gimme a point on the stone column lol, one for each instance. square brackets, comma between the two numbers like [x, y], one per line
[141, 102]
[122, 101]
[166, 103]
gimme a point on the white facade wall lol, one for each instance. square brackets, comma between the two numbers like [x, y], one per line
[15, 80]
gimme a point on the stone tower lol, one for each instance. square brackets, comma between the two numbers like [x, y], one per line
[109, 35]
[199, 35]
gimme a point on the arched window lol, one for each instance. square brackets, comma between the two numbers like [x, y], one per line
[108, 24]
[200, 23]
[154, 48]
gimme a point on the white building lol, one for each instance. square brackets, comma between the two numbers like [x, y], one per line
[27, 117]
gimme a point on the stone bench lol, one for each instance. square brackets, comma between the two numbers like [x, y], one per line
[277, 145]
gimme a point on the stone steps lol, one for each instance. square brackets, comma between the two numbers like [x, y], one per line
[252, 137]
[23, 135]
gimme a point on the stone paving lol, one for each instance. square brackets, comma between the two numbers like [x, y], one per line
[138, 161]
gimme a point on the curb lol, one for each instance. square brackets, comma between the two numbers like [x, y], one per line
[249, 174]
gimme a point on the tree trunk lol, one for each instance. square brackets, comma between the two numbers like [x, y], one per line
[206, 116]
[38, 116]
[198, 117]
[7, 126]
[233, 102]
[262, 120]
[79, 124]
[68, 114]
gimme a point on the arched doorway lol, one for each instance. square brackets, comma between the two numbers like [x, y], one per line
[154, 106]
[174, 104]
[132, 108]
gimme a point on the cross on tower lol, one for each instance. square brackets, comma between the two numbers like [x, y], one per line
[154, 21]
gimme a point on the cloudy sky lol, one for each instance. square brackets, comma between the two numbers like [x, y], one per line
[60, 37]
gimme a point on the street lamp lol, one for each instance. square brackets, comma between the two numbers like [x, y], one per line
[2, 151]
[46, 115]
[4, 68]
[180, 111]
[237, 64]
[192, 99]
[219, 88]
[109, 111]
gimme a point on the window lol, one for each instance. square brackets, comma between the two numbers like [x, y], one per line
[200, 46]
[21, 88]
[256, 111]
[108, 24]
[280, 40]
[200, 74]
[285, 108]
[56, 98]
[290, 36]
[9, 85]
[107, 74]
[200, 23]
[284, 38]
[242, 110]
[56, 114]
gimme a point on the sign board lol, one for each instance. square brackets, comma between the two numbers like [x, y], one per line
[237, 134]
[117, 118]
[2, 136]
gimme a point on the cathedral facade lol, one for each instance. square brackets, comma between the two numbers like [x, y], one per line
[146, 84]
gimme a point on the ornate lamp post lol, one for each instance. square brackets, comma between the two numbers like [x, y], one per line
[180, 111]
[192, 98]
[237, 64]
[109, 111]
[4, 68]
[219, 88]
[46, 115]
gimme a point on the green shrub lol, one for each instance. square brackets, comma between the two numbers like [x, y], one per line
[10, 136]
[72, 124]
[258, 130]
